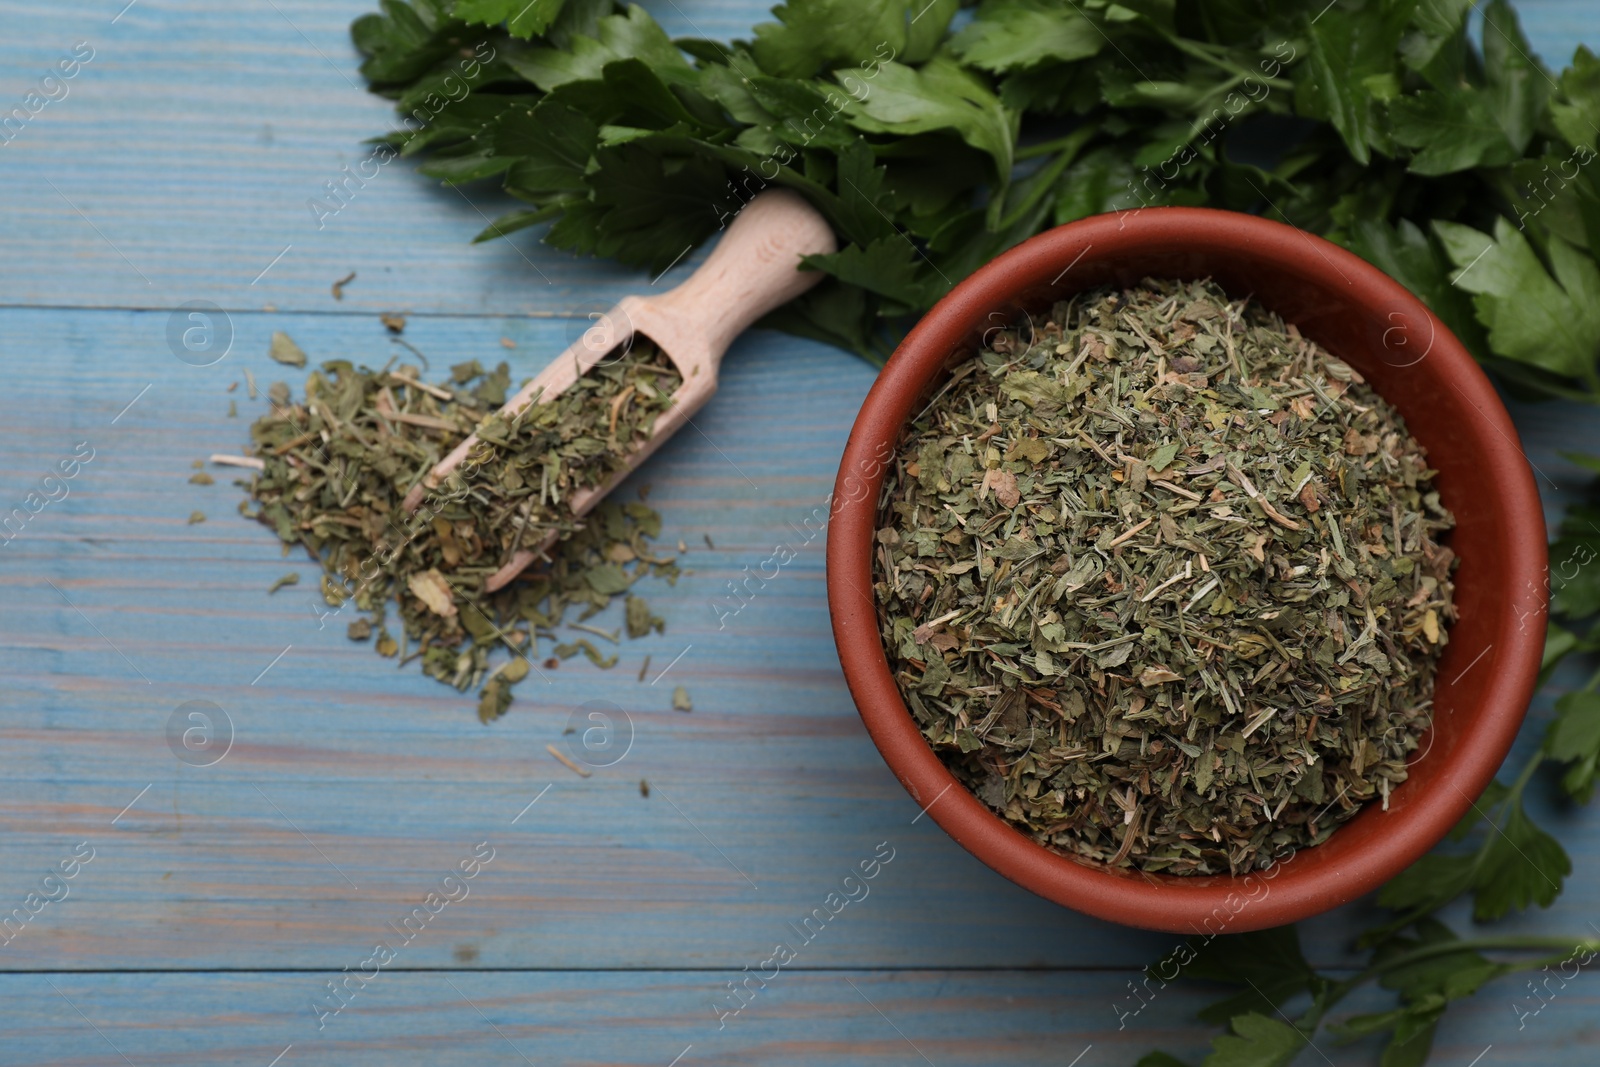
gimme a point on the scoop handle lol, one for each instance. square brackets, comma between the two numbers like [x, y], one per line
[753, 269]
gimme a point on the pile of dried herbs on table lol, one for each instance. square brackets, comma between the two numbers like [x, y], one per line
[339, 461]
[1160, 581]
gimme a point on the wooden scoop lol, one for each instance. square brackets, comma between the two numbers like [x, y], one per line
[753, 269]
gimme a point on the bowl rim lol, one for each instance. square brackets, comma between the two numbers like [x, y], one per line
[1165, 902]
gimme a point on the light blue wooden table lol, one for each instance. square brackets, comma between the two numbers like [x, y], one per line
[221, 900]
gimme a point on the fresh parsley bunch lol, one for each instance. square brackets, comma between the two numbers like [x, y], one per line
[934, 140]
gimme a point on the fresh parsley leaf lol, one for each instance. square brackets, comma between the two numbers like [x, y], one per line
[1457, 972]
[1545, 321]
[632, 92]
[402, 43]
[939, 96]
[927, 180]
[552, 144]
[512, 221]
[1519, 85]
[1575, 583]
[1009, 35]
[1255, 1041]
[1577, 112]
[449, 86]
[1430, 883]
[835, 314]
[1559, 642]
[926, 24]
[1098, 181]
[1432, 48]
[1484, 120]
[889, 266]
[1441, 18]
[813, 36]
[1412, 1028]
[1516, 864]
[653, 213]
[524, 18]
[1347, 46]
[1554, 194]
[1575, 564]
[1268, 963]
[1418, 262]
[1522, 865]
[859, 214]
[1412, 1040]
[462, 163]
[1458, 127]
[802, 112]
[1451, 130]
[634, 35]
[1574, 739]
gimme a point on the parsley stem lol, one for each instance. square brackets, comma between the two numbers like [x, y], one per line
[1509, 942]
[1564, 949]
[1044, 181]
[1045, 148]
[1559, 956]
[1526, 775]
[1205, 55]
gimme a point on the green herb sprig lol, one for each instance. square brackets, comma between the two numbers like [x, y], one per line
[1457, 163]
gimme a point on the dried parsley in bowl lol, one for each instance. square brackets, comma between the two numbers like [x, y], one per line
[1160, 581]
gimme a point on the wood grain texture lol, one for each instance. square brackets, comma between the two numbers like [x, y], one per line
[588, 1019]
[606, 922]
[180, 165]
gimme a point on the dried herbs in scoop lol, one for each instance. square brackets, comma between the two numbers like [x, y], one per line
[338, 464]
[1160, 581]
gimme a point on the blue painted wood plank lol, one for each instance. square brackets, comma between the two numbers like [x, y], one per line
[874, 1019]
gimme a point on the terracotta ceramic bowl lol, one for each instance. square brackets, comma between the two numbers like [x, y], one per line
[1364, 318]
